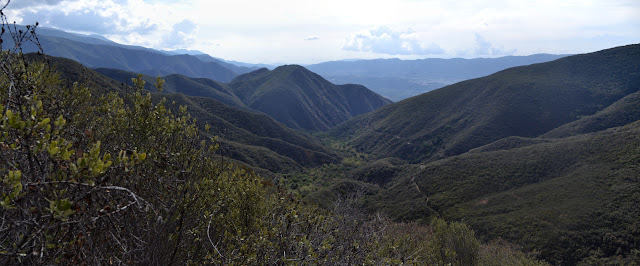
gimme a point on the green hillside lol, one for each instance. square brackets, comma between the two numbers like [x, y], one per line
[545, 156]
[253, 138]
[525, 101]
[570, 200]
[254, 129]
[292, 95]
[70, 71]
[620, 113]
[176, 83]
[302, 99]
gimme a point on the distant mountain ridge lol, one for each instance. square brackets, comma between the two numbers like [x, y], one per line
[97, 52]
[393, 78]
[401, 79]
[453, 68]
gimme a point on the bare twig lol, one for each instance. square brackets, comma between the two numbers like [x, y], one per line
[211, 241]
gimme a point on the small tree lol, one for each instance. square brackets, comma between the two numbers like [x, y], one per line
[453, 243]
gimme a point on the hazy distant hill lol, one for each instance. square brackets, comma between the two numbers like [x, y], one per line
[142, 61]
[302, 99]
[232, 64]
[401, 79]
[525, 101]
[95, 52]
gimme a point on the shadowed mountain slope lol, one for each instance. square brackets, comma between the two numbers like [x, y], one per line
[523, 101]
[176, 83]
[568, 198]
[292, 95]
[302, 99]
[620, 113]
[71, 71]
[254, 129]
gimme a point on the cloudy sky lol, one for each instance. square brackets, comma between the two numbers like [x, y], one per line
[303, 32]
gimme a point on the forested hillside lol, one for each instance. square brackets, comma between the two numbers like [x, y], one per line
[302, 99]
[525, 101]
[292, 95]
[545, 156]
[570, 199]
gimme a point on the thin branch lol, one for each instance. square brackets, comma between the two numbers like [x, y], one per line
[211, 241]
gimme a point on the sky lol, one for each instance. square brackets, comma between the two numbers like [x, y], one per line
[305, 32]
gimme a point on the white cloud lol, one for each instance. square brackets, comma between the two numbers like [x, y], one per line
[181, 36]
[87, 21]
[289, 30]
[383, 40]
[127, 21]
[485, 48]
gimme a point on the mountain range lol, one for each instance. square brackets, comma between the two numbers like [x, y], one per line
[525, 101]
[395, 79]
[543, 155]
[94, 52]
[290, 94]
[400, 79]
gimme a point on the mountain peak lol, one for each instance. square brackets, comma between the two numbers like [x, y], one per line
[292, 69]
[302, 99]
